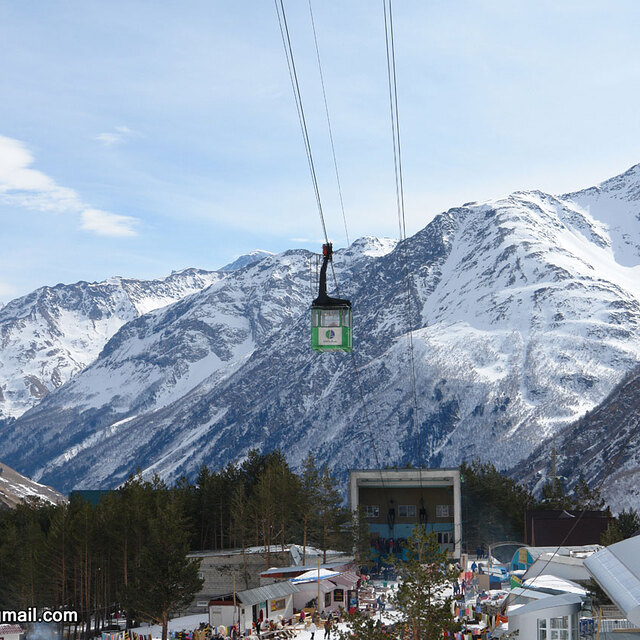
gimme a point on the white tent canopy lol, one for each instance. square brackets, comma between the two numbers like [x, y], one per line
[554, 585]
[567, 567]
[314, 574]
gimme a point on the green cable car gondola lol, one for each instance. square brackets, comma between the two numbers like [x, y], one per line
[330, 317]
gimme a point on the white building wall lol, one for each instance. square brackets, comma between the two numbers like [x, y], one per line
[221, 615]
[287, 612]
[527, 624]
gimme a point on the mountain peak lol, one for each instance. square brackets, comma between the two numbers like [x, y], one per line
[53, 333]
[372, 246]
[616, 204]
[246, 259]
[625, 186]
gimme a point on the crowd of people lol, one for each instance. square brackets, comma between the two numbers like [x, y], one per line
[386, 546]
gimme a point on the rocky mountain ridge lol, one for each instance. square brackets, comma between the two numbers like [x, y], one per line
[52, 334]
[524, 313]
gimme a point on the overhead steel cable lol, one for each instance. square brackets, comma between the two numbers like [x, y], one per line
[293, 75]
[402, 226]
[326, 110]
[286, 41]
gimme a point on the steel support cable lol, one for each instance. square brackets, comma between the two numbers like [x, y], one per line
[346, 231]
[326, 110]
[293, 75]
[366, 417]
[399, 180]
[286, 41]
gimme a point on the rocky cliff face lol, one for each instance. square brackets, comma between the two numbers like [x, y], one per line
[15, 488]
[524, 314]
[603, 447]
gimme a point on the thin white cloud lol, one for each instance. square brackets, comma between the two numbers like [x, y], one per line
[22, 186]
[109, 139]
[121, 134]
[108, 224]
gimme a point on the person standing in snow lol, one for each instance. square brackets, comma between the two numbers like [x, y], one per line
[312, 628]
[327, 629]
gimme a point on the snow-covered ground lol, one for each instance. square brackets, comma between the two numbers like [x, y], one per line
[184, 623]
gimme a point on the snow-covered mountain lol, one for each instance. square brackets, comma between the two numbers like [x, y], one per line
[14, 488]
[245, 260]
[603, 446]
[53, 333]
[524, 311]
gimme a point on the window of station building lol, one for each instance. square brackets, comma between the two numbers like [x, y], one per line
[542, 629]
[371, 510]
[444, 511]
[406, 510]
[445, 537]
[327, 599]
[559, 628]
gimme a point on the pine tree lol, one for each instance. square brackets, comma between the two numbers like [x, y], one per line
[493, 505]
[626, 525]
[361, 627]
[331, 513]
[308, 500]
[239, 517]
[361, 537]
[59, 552]
[420, 600]
[584, 497]
[264, 506]
[286, 488]
[166, 579]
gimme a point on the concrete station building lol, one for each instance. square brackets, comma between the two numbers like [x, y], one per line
[395, 500]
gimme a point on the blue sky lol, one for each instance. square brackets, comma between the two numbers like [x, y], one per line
[140, 137]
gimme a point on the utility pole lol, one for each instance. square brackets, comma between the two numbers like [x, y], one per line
[318, 609]
[235, 607]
